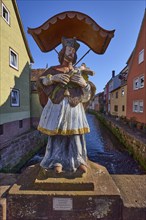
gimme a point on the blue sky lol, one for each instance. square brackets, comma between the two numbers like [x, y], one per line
[124, 16]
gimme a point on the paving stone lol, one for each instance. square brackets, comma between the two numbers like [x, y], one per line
[133, 194]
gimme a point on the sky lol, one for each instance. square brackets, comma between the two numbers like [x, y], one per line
[125, 16]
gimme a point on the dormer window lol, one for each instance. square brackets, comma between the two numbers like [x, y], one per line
[5, 14]
[122, 92]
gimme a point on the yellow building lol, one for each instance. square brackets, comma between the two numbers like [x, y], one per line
[118, 101]
[15, 59]
[118, 96]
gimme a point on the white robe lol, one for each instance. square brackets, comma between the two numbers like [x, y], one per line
[65, 126]
[62, 119]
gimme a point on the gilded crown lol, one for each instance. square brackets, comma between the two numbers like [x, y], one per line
[71, 42]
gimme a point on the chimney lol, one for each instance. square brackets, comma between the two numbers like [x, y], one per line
[113, 73]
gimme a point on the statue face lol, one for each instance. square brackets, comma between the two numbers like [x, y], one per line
[69, 53]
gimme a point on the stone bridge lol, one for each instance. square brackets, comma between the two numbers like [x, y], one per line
[36, 195]
[96, 195]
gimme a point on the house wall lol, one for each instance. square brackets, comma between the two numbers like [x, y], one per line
[114, 101]
[135, 70]
[123, 101]
[96, 103]
[11, 37]
[120, 101]
[36, 109]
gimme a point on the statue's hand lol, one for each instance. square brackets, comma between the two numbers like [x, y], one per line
[78, 79]
[61, 78]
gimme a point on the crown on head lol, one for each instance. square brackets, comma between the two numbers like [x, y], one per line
[71, 42]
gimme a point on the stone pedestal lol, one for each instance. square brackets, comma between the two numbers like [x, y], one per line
[66, 196]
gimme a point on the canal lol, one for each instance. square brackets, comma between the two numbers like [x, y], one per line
[104, 149]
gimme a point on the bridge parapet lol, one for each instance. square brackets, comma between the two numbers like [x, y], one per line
[95, 195]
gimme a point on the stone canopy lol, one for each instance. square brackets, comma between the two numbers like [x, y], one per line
[71, 24]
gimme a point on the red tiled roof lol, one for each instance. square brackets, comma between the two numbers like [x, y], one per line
[35, 73]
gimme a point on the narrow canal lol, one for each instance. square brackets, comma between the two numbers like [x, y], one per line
[104, 149]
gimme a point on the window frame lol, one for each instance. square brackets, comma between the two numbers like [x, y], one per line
[123, 108]
[141, 59]
[122, 92]
[138, 106]
[134, 83]
[141, 101]
[141, 86]
[137, 102]
[14, 52]
[4, 7]
[116, 108]
[18, 101]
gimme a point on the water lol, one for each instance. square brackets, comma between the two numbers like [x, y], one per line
[104, 149]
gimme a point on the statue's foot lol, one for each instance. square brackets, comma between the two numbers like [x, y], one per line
[83, 168]
[58, 169]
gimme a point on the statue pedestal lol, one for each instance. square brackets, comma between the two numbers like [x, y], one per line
[64, 196]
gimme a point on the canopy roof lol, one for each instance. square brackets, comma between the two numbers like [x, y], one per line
[71, 24]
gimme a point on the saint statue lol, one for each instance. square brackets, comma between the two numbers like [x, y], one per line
[64, 92]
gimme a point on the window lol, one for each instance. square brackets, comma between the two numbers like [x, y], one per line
[20, 123]
[135, 106]
[13, 59]
[122, 91]
[123, 108]
[141, 82]
[15, 98]
[116, 95]
[141, 56]
[116, 108]
[1, 129]
[5, 14]
[140, 106]
[136, 84]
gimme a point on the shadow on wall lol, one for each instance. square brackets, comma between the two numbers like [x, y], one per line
[15, 112]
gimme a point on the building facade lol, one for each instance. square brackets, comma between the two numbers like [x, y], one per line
[99, 102]
[119, 94]
[14, 74]
[118, 101]
[136, 86]
[125, 93]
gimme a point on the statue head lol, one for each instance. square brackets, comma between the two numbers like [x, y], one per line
[71, 42]
[68, 43]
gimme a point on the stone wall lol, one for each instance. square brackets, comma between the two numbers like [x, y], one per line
[12, 129]
[14, 154]
[134, 144]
